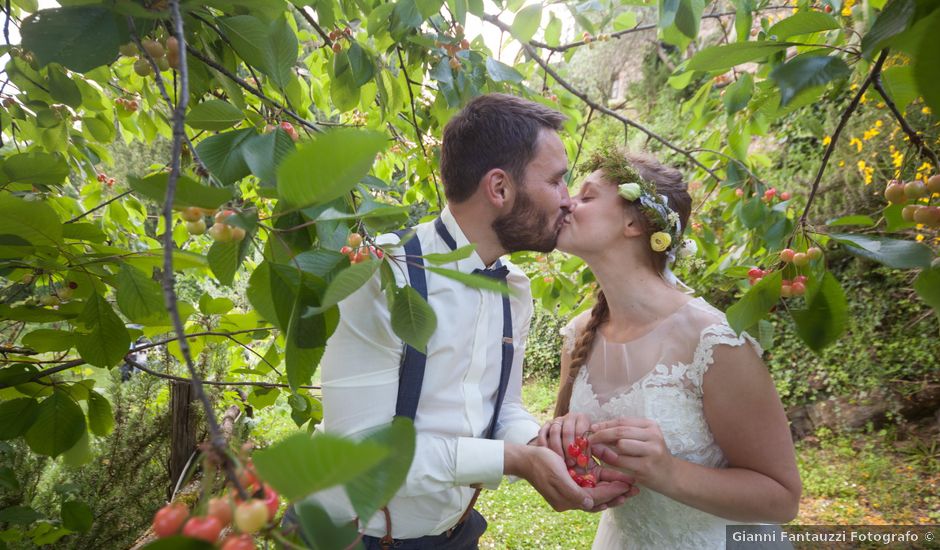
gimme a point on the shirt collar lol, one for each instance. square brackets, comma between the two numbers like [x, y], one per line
[450, 222]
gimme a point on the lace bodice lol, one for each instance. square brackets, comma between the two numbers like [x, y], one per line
[615, 382]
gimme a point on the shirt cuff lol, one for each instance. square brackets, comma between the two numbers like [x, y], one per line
[522, 432]
[479, 462]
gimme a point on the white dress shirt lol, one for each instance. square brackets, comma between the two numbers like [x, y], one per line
[360, 374]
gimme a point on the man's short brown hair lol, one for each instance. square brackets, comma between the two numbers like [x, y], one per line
[492, 131]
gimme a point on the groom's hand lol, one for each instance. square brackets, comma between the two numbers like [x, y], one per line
[547, 472]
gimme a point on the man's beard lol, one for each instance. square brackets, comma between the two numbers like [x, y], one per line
[526, 227]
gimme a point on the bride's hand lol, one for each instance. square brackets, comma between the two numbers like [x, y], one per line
[557, 434]
[637, 447]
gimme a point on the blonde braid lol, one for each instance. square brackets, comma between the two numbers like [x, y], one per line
[581, 351]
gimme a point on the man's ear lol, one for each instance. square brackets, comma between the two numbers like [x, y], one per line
[497, 187]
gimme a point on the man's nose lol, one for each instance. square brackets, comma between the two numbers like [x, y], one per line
[566, 201]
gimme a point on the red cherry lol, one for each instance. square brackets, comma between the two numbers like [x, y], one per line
[271, 500]
[798, 288]
[354, 240]
[572, 473]
[379, 254]
[582, 460]
[168, 520]
[800, 259]
[110, 182]
[345, 250]
[800, 279]
[221, 508]
[239, 542]
[755, 273]
[786, 291]
[739, 192]
[582, 443]
[573, 450]
[814, 253]
[787, 254]
[785, 196]
[102, 177]
[205, 528]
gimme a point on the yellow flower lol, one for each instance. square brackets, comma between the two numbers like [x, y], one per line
[919, 238]
[660, 241]
[841, 163]
[827, 140]
[857, 143]
[878, 124]
[925, 110]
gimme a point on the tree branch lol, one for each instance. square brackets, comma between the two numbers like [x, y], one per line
[254, 91]
[175, 378]
[916, 140]
[414, 121]
[835, 135]
[530, 51]
[100, 206]
[216, 439]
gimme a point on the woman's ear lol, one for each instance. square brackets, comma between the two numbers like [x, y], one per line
[632, 225]
[497, 188]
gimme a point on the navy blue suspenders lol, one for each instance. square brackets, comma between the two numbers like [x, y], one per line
[411, 374]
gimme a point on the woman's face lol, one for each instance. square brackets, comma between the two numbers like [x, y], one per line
[597, 219]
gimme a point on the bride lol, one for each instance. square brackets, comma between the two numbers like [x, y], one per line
[658, 381]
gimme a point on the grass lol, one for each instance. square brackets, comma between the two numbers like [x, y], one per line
[861, 478]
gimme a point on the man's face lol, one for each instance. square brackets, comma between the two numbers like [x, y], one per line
[541, 201]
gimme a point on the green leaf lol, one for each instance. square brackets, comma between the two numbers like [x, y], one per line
[36, 168]
[140, 297]
[803, 22]
[526, 22]
[927, 286]
[667, 12]
[893, 20]
[188, 191]
[59, 425]
[553, 29]
[900, 85]
[16, 416]
[248, 35]
[925, 66]
[826, 313]
[85, 37]
[44, 340]
[858, 219]
[726, 56]
[108, 340]
[63, 89]
[214, 115]
[19, 515]
[344, 91]
[345, 283]
[360, 64]
[328, 167]
[80, 453]
[280, 52]
[76, 516]
[472, 280]
[300, 465]
[405, 17]
[413, 320]
[226, 257]
[737, 95]
[895, 253]
[215, 306]
[689, 16]
[500, 72]
[319, 530]
[461, 253]
[263, 153]
[223, 157]
[32, 221]
[758, 300]
[624, 21]
[807, 71]
[100, 416]
[375, 488]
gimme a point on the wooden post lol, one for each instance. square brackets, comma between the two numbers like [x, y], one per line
[182, 431]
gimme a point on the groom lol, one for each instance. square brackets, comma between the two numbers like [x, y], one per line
[503, 168]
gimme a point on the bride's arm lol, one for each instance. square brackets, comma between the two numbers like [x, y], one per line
[744, 413]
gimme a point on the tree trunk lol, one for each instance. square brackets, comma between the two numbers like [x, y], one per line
[182, 431]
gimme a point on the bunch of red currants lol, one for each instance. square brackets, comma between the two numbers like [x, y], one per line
[580, 451]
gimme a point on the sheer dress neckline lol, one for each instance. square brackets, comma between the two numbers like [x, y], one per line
[662, 323]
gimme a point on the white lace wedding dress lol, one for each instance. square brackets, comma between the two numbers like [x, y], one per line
[658, 376]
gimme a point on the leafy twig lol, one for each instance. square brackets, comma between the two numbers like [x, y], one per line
[835, 135]
[530, 51]
[414, 121]
[165, 376]
[916, 140]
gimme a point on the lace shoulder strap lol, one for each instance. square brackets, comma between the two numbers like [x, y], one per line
[719, 333]
[569, 332]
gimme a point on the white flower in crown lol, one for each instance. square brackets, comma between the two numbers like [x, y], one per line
[630, 191]
[673, 218]
[688, 249]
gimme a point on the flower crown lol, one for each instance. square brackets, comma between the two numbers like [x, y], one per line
[618, 169]
[656, 209]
